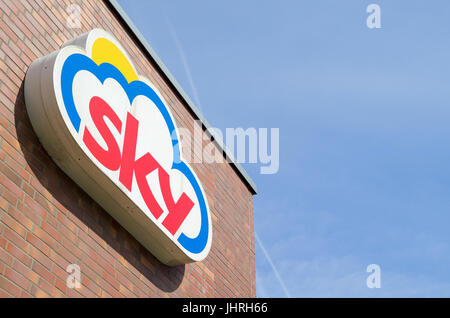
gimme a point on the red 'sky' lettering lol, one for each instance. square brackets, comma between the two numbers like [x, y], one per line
[112, 159]
[99, 109]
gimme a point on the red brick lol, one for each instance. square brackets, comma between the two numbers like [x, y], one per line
[11, 175]
[18, 253]
[38, 293]
[9, 287]
[51, 231]
[35, 207]
[47, 222]
[5, 8]
[59, 264]
[24, 294]
[38, 244]
[13, 153]
[14, 6]
[29, 213]
[3, 204]
[18, 169]
[26, 272]
[17, 279]
[11, 186]
[4, 294]
[2, 243]
[10, 197]
[61, 285]
[21, 218]
[28, 189]
[9, 33]
[15, 238]
[43, 272]
[41, 258]
[13, 224]
[65, 254]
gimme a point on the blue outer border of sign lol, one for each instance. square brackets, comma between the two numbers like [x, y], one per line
[171, 79]
[78, 62]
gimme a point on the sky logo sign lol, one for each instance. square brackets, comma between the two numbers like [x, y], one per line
[110, 130]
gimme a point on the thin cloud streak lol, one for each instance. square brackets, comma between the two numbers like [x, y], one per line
[269, 259]
[187, 70]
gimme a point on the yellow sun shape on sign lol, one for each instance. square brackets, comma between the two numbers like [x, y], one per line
[104, 51]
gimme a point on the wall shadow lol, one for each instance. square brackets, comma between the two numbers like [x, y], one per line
[74, 199]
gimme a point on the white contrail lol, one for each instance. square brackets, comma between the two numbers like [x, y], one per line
[277, 274]
[260, 290]
[197, 101]
[184, 61]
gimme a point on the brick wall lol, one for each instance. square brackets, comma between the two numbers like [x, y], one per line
[47, 222]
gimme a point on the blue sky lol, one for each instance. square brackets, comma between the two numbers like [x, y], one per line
[364, 131]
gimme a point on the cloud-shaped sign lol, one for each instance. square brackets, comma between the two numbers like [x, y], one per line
[111, 131]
